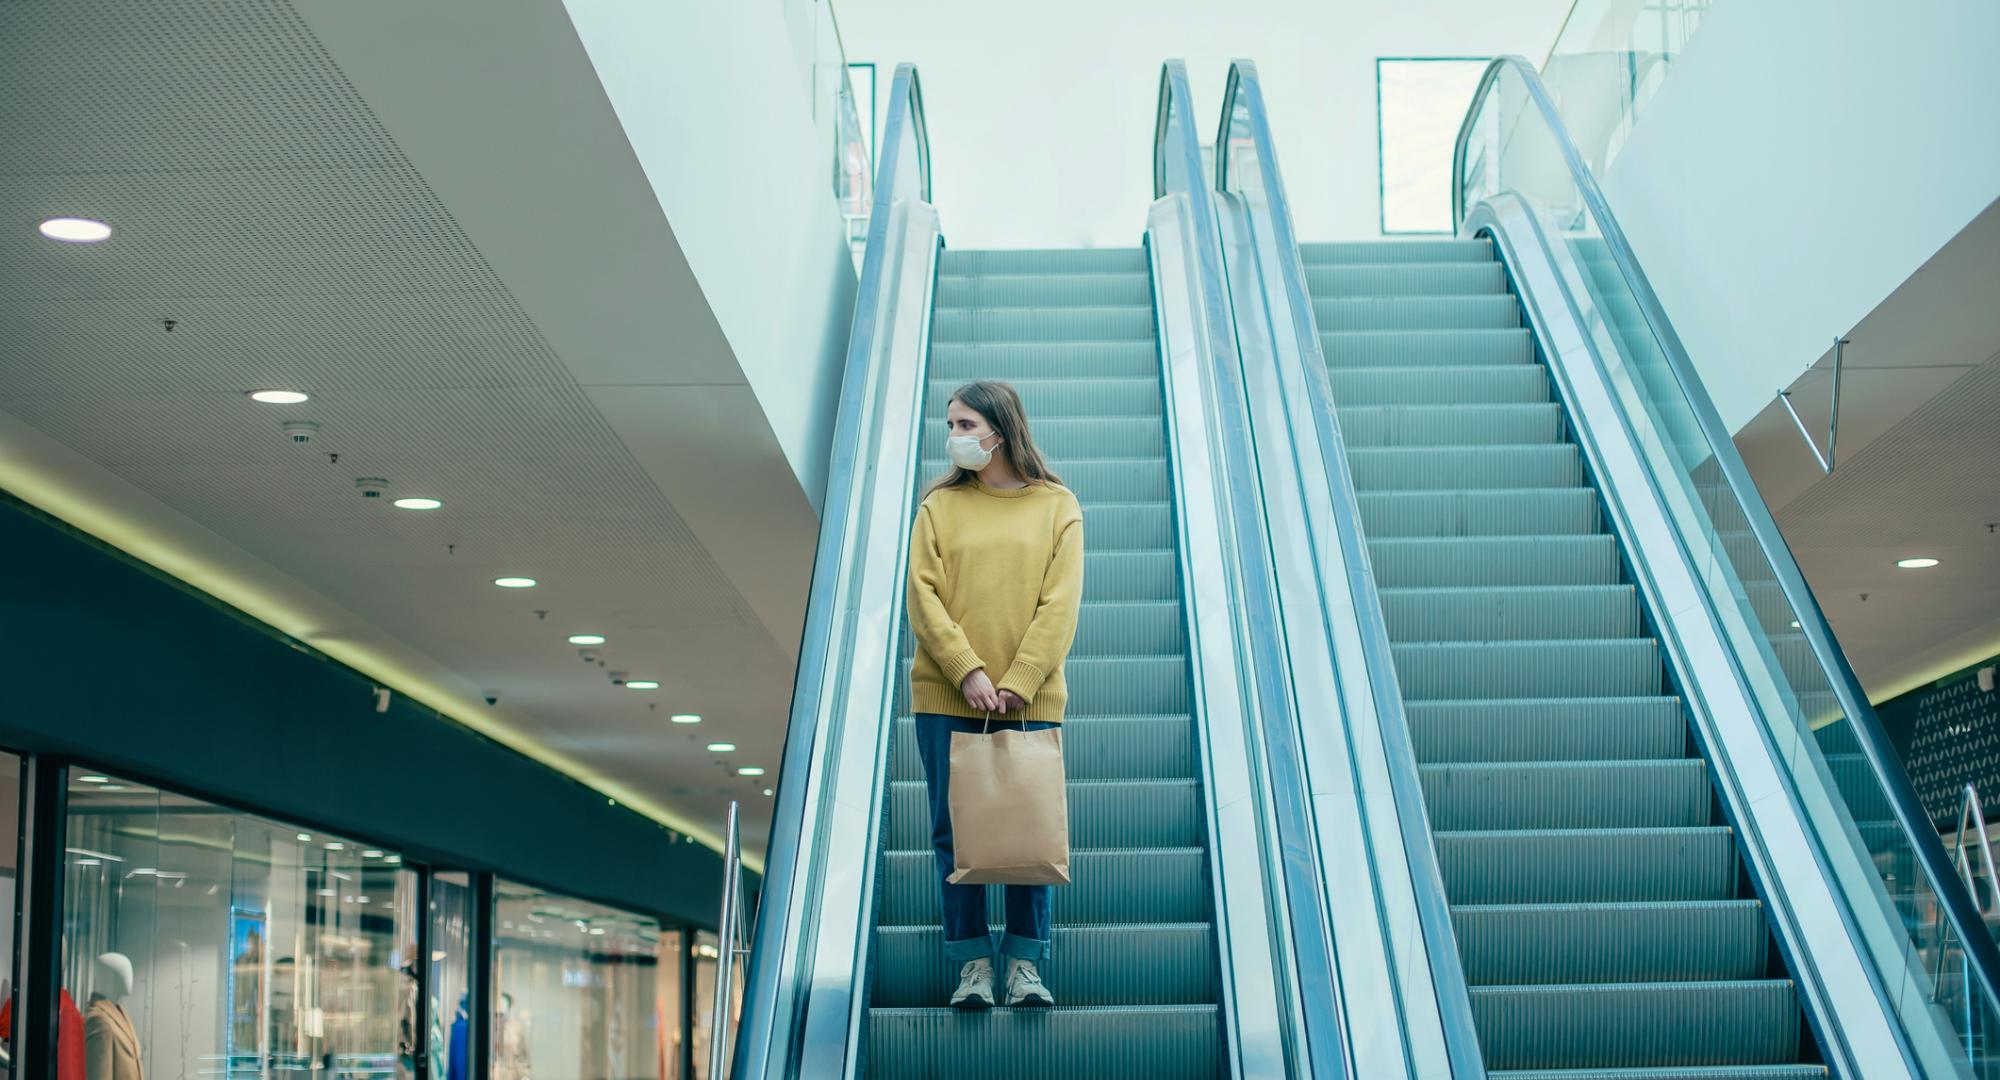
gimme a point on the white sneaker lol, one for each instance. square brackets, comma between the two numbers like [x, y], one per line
[975, 985]
[1024, 986]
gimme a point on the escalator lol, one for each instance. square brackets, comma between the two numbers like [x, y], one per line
[1652, 825]
[1174, 952]
[1602, 916]
[1134, 966]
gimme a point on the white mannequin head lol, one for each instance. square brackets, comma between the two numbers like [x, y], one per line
[114, 976]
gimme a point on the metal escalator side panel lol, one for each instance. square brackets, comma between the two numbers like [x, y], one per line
[1845, 1001]
[828, 785]
[1258, 997]
[1394, 930]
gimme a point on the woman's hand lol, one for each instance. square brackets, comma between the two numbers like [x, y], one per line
[979, 692]
[1011, 702]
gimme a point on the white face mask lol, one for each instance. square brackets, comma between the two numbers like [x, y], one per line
[966, 452]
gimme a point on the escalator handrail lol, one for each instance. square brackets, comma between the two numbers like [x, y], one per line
[1177, 170]
[1427, 879]
[1982, 955]
[759, 1037]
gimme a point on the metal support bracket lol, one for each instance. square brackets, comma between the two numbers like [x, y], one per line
[1825, 460]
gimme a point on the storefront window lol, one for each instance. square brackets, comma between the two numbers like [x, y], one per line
[450, 974]
[577, 989]
[203, 942]
[667, 1004]
[707, 954]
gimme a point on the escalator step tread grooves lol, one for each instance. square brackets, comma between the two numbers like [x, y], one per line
[1133, 960]
[1596, 895]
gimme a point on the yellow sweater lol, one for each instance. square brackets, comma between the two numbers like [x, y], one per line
[995, 580]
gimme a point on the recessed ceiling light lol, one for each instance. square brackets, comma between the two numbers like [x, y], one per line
[75, 230]
[90, 862]
[394, 860]
[329, 892]
[1916, 564]
[279, 397]
[750, 770]
[418, 502]
[93, 779]
[685, 718]
[515, 582]
[306, 836]
[641, 684]
[586, 639]
[371, 853]
[721, 747]
[767, 793]
[1796, 626]
[336, 845]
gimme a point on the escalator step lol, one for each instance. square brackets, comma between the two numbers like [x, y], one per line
[1094, 748]
[1389, 515]
[1696, 1072]
[1045, 290]
[1450, 425]
[1122, 685]
[1660, 941]
[1511, 613]
[1125, 322]
[1507, 560]
[1452, 468]
[1645, 1024]
[1116, 481]
[1102, 814]
[1407, 279]
[1399, 349]
[1019, 361]
[1137, 964]
[1417, 313]
[1071, 401]
[1621, 667]
[1549, 729]
[1567, 795]
[1149, 885]
[1488, 384]
[1109, 527]
[1159, 1042]
[1045, 261]
[1373, 252]
[1531, 866]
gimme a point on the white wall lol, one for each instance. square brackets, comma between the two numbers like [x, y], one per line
[715, 101]
[1041, 111]
[1803, 159]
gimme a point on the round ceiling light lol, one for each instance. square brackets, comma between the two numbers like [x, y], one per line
[1917, 563]
[685, 718]
[418, 502]
[75, 230]
[515, 582]
[750, 770]
[280, 397]
[767, 793]
[586, 639]
[642, 684]
[721, 747]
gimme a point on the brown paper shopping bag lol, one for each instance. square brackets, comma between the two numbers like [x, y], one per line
[1009, 808]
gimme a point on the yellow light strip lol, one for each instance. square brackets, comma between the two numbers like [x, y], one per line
[123, 530]
[1969, 657]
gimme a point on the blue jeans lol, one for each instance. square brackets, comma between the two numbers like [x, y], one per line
[966, 935]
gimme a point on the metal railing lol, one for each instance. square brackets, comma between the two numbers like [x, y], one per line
[820, 838]
[731, 942]
[1333, 525]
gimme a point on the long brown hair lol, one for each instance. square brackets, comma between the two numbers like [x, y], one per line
[1000, 407]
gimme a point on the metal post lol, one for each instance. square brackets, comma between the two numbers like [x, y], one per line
[1833, 418]
[38, 921]
[725, 960]
[420, 968]
[690, 976]
[479, 1015]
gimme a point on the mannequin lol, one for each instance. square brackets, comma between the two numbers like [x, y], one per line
[111, 1043]
[510, 1053]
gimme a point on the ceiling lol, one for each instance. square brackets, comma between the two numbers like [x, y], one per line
[560, 383]
[1916, 472]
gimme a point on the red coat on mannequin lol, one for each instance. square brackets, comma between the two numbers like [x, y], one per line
[69, 1034]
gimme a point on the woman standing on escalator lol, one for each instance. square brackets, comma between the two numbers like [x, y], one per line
[996, 577]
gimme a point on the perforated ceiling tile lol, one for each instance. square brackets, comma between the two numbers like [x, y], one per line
[259, 204]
